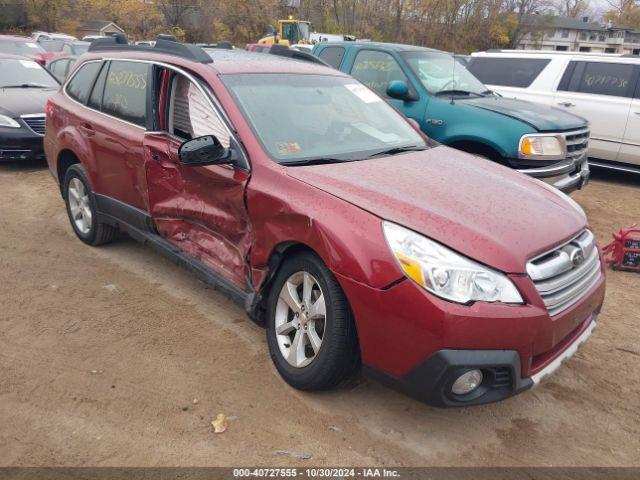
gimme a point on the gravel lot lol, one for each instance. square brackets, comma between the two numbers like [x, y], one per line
[103, 351]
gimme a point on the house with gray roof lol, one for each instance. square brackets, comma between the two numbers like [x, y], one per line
[558, 33]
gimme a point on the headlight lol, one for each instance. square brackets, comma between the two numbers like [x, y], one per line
[445, 273]
[541, 147]
[8, 122]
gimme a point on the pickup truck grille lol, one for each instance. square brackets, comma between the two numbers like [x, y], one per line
[35, 122]
[563, 275]
[577, 142]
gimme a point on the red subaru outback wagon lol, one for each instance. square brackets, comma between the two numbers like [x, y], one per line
[325, 213]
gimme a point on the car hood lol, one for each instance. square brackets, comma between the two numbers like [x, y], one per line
[541, 117]
[481, 209]
[23, 101]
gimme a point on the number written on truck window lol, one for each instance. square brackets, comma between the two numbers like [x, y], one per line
[600, 78]
[376, 70]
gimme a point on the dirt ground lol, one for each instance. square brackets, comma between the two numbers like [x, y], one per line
[103, 351]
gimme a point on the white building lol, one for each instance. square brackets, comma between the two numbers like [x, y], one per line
[578, 35]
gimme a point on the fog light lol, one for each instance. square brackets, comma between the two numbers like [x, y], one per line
[467, 382]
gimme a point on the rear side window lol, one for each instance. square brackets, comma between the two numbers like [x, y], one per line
[376, 70]
[600, 78]
[332, 55]
[80, 85]
[507, 72]
[125, 92]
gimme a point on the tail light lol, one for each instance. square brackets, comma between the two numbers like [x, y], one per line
[48, 107]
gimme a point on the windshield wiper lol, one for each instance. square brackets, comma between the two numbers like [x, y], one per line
[459, 92]
[397, 150]
[314, 161]
[27, 85]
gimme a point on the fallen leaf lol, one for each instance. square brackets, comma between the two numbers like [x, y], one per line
[220, 423]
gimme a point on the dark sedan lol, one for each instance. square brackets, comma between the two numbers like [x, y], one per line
[25, 87]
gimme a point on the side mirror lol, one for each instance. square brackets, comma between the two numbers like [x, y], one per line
[205, 150]
[399, 89]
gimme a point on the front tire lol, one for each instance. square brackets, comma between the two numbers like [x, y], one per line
[311, 333]
[82, 210]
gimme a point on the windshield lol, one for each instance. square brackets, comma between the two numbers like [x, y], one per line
[80, 48]
[440, 72]
[304, 31]
[52, 45]
[19, 48]
[304, 117]
[20, 73]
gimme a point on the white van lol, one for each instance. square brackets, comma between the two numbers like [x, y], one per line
[603, 88]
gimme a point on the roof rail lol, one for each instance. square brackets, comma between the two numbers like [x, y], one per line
[165, 44]
[284, 51]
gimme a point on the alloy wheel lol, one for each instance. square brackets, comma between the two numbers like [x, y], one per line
[79, 206]
[300, 319]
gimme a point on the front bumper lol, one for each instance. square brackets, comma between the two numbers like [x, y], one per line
[567, 175]
[420, 344]
[20, 144]
[432, 380]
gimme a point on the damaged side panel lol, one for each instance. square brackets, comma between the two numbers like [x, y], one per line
[201, 210]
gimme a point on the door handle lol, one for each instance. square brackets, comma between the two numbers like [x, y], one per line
[637, 113]
[87, 129]
[566, 104]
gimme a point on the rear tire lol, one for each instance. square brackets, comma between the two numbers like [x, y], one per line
[314, 345]
[82, 209]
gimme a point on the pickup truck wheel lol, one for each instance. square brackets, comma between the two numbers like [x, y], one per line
[82, 211]
[310, 329]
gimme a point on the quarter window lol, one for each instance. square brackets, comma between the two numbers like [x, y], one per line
[81, 83]
[377, 70]
[507, 72]
[332, 55]
[601, 78]
[95, 100]
[125, 92]
[191, 115]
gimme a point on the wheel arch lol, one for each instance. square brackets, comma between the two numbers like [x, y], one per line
[477, 147]
[66, 158]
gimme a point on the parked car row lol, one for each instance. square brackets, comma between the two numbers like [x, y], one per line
[455, 108]
[332, 218]
[603, 88]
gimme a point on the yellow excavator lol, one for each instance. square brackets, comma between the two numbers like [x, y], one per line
[290, 32]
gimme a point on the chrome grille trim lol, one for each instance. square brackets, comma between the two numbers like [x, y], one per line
[560, 278]
[577, 143]
[36, 122]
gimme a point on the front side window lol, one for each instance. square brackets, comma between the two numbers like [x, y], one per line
[125, 92]
[440, 73]
[601, 78]
[377, 70]
[191, 115]
[507, 72]
[21, 73]
[332, 55]
[79, 86]
[300, 118]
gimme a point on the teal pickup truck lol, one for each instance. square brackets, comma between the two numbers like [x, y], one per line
[454, 108]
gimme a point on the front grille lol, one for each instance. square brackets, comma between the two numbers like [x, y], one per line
[565, 274]
[35, 122]
[577, 142]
